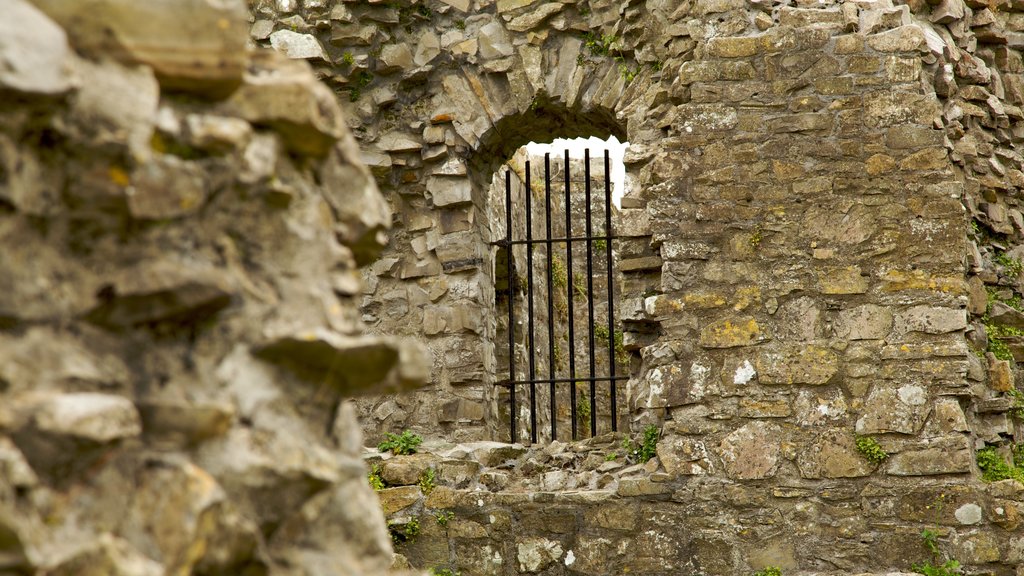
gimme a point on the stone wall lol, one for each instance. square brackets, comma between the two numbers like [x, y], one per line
[181, 221]
[823, 242]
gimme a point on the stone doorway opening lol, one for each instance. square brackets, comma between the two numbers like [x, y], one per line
[560, 372]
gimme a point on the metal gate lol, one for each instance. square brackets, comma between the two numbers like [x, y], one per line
[602, 242]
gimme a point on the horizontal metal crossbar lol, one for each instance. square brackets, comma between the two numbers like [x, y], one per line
[505, 243]
[506, 383]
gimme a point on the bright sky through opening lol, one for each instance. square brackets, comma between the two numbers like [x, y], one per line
[576, 146]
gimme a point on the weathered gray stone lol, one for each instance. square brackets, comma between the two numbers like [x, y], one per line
[285, 95]
[682, 455]
[832, 454]
[198, 46]
[449, 191]
[867, 322]
[931, 320]
[298, 46]
[166, 187]
[535, 554]
[751, 452]
[35, 52]
[806, 364]
[894, 409]
[353, 364]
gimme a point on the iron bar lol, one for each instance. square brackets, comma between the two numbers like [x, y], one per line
[568, 287]
[612, 359]
[529, 307]
[590, 293]
[511, 306]
[551, 300]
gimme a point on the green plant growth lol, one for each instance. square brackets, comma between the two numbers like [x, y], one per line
[996, 333]
[360, 81]
[579, 286]
[583, 410]
[648, 446]
[443, 517]
[769, 571]
[611, 456]
[559, 275]
[460, 24]
[1017, 410]
[348, 59]
[601, 336]
[427, 479]
[404, 533]
[870, 449]
[375, 479]
[600, 245]
[1018, 455]
[1012, 266]
[405, 443]
[599, 45]
[755, 238]
[936, 566]
[443, 572]
[995, 468]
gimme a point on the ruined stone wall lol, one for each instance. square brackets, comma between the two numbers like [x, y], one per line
[799, 267]
[181, 221]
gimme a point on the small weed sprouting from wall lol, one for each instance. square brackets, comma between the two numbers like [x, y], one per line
[932, 568]
[1012, 266]
[583, 410]
[870, 449]
[601, 336]
[427, 480]
[647, 448]
[579, 286]
[995, 468]
[374, 478]
[361, 80]
[444, 572]
[1017, 410]
[404, 532]
[405, 443]
[443, 517]
[769, 571]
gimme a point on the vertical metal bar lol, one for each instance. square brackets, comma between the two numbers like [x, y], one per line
[568, 272]
[590, 295]
[529, 307]
[611, 285]
[551, 296]
[511, 307]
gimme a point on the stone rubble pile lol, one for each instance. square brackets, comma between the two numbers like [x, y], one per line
[182, 220]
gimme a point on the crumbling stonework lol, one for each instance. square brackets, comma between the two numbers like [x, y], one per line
[799, 266]
[181, 221]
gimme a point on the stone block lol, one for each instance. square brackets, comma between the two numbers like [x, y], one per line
[447, 191]
[833, 454]
[950, 455]
[892, 408]
[752, 451]
[681, 455]
[797, 364]
[393, 500]
[406, 470]
[866, 322]
[197, 46]
[731, 332]
[930, 320]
